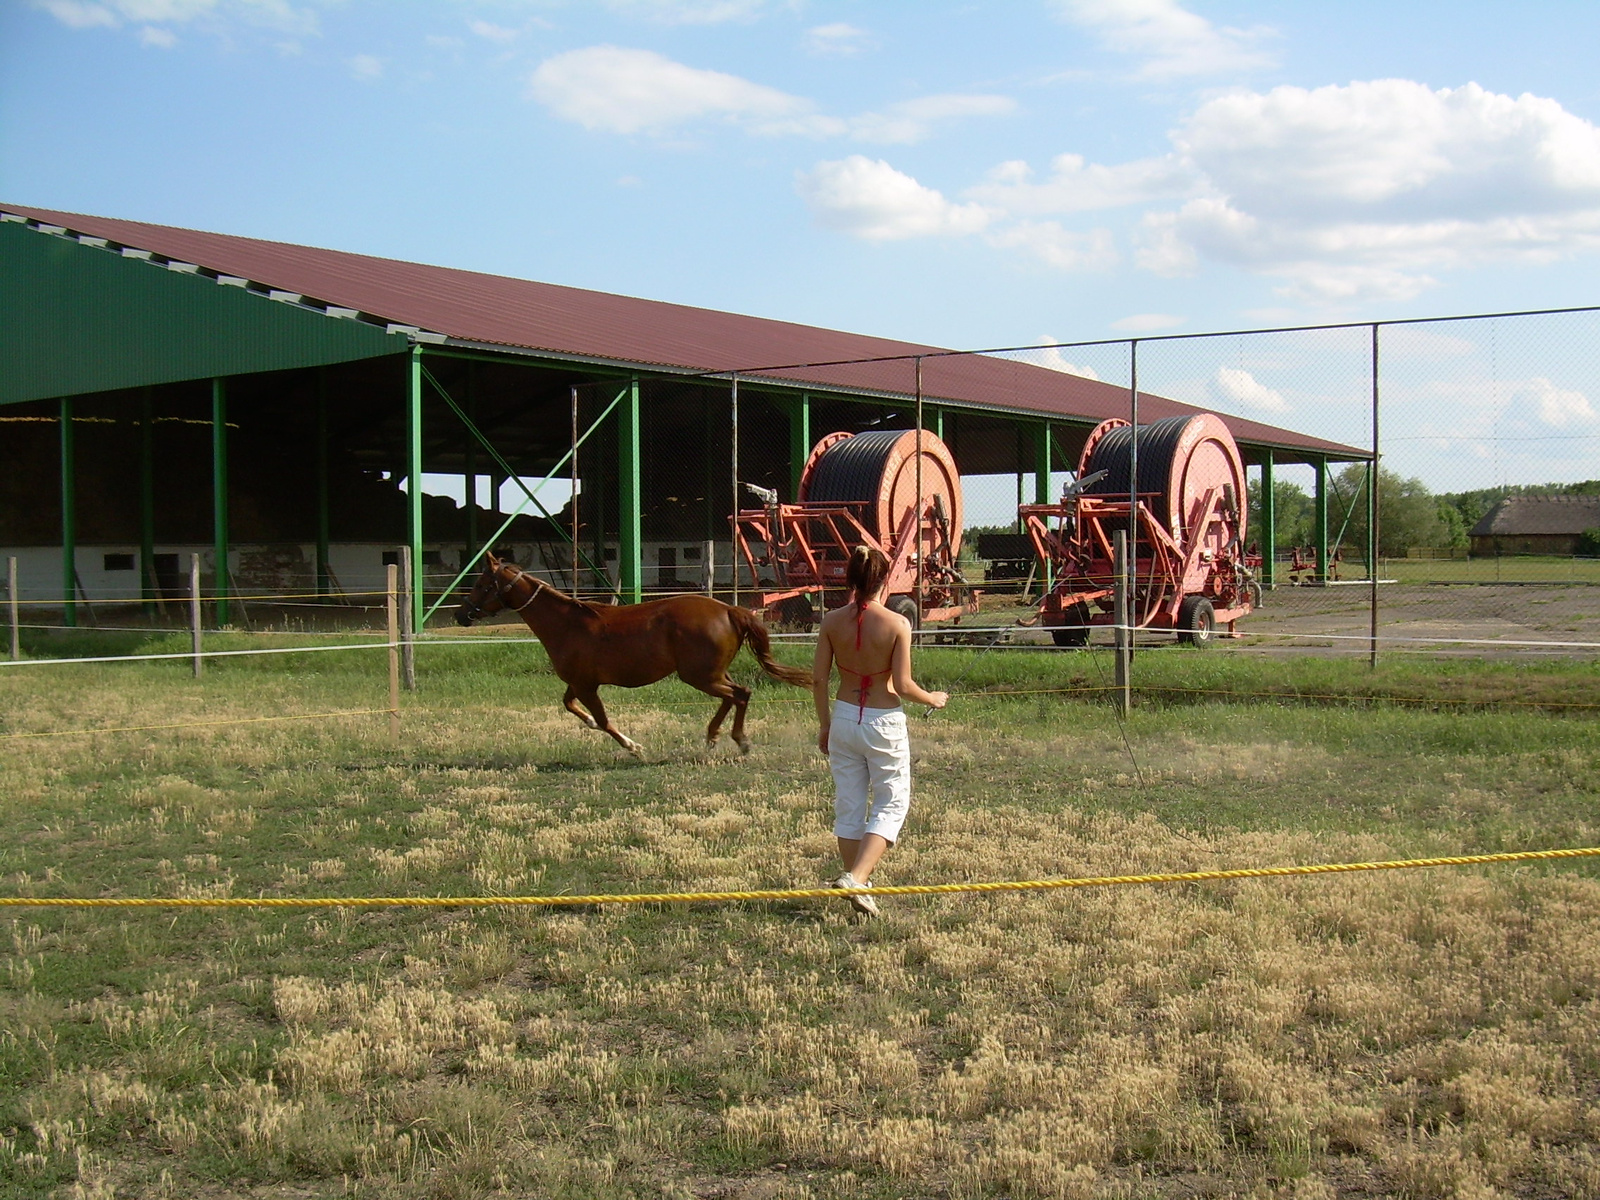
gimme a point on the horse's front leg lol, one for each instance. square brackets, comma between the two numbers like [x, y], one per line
[601, 721]
[570, 703]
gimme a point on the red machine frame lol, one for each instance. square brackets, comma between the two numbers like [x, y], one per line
[1169, 577]
[805, 547]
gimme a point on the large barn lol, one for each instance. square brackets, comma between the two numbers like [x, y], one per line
[165, 392]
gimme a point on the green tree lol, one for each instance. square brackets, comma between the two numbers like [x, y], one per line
[1408, 513]
[1294, 515]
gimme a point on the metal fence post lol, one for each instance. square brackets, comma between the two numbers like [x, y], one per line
[1372, 513]
[1124, 634]
[194, 612]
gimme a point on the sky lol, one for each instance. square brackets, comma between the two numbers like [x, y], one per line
[966, 175]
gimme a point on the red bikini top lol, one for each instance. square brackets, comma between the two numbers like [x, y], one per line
[866, 680]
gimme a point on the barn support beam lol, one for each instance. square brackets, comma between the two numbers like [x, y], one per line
[1042, 444]
[1269, 522]
[324, 575]
[147, 501]
[630, 526]
[1320, 518]
[219, 494]
[414, 483]
[799, 441]
[470, 463]
[69, 516]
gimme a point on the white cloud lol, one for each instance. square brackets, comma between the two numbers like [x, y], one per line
[1172, 41]
[913, 120]
[639, 91]
[366, 67]
[1053, 360]
[837, 40]
[1057, 247]
[1363, 191]
[77, 15]
[619, 90]
[165, 39]
[688, 12]
[215, 15]
[1079, 186]
[1147, 322]
[870, 199]
[492, 32]
[1560, 407]
[1238, 386]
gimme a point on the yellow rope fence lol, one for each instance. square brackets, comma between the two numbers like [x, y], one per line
[815, 893]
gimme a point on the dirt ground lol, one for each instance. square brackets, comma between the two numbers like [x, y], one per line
[1451, 619]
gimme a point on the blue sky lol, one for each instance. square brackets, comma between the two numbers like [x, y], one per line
[962, 174]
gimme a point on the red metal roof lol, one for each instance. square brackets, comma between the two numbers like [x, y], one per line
[496, 310]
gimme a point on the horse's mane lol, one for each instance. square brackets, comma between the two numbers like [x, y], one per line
[546, 586]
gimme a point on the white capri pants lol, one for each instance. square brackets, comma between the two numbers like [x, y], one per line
[869, 753]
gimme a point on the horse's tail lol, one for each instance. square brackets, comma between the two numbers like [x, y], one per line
[754, 631]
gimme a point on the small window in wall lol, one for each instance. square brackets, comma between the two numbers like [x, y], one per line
[391, 558]
[433, 558]
[691, 554]
[119, 562]
[611, 553]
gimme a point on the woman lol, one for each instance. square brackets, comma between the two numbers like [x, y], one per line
[863, 730]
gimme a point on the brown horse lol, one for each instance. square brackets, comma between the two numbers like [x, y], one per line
[630, 645]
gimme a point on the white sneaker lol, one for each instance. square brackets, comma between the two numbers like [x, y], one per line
[862, 904]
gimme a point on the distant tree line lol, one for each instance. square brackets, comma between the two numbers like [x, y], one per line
[1409, 514]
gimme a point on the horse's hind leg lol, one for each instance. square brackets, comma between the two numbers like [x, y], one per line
[741, 701]
[570, 703]
[592, 699]
[714, 730]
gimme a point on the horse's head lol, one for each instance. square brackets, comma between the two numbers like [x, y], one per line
[484, 599]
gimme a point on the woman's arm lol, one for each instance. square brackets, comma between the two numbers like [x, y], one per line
[901, 665]
[821, 680]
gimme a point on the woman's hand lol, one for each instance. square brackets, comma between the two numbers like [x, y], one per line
[822, 739]
[938, 699]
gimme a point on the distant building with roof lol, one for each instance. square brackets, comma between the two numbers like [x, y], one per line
[1535, 525]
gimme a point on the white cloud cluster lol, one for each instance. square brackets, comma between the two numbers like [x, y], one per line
[621, 90]
[688, 12]
[1172, 41]
[1344, 193]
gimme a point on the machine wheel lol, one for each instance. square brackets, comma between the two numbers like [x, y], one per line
[1076, 631]
[1197, 622]
[794, 614]
[906, 606]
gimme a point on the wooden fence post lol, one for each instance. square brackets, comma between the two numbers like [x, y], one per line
[394, 653]
[11, 603]
[194, 611]
[408, 645]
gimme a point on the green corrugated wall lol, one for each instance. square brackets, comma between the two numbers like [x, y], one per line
[77, 319]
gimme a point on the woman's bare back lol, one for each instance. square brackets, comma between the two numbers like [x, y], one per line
[865, 662]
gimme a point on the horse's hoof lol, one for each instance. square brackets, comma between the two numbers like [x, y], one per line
[634, 748]
[744, 746]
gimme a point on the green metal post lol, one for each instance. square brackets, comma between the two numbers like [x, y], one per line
[219, 494]
[147, 502]
[414, 483]
[799, 442]
[69, 517]
[1269, 523]
[1041, 464]
[324, 582]
[470, 465]
[630, 528]
[1321, 534]
[937, 424]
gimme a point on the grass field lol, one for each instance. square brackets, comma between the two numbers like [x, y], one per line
[1422, 1034]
